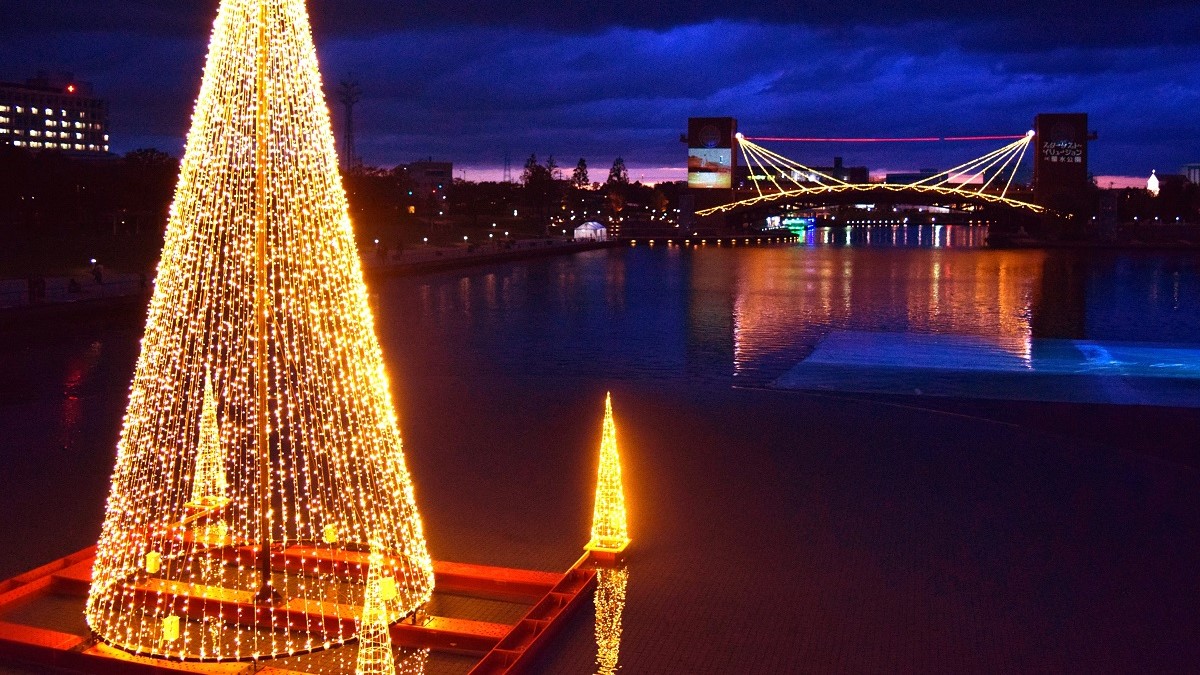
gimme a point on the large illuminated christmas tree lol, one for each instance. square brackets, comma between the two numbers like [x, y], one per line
[260, 292]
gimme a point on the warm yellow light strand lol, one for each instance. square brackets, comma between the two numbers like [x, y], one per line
[260, 160]
[610, 531]
[374, 640]
[611, 584]
[208, 480]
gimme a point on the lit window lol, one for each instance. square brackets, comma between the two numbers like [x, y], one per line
[106, 137]
[34, 132]
[51, 123]
[81, 136]
[20, 109]
[3, 131]
[3, 120]
[79, 125]
[106, 148]
[63, 113]
[19, 144]
[78, 146]
[3, 108]
[35, 144]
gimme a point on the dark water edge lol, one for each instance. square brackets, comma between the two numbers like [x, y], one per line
[774, 531]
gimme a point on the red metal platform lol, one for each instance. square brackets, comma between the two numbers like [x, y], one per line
[503, 648]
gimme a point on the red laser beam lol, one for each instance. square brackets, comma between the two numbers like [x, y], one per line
[917, 139]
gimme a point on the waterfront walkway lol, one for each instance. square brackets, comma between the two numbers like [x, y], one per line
[64, 291]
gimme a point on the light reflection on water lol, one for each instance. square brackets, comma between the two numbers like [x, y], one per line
[611, 584]
[784, 308]
[745, 315]
[895, 235]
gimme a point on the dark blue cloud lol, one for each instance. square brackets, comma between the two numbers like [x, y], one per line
[454, 82]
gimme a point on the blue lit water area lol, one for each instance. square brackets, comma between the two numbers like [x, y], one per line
[1081, 371]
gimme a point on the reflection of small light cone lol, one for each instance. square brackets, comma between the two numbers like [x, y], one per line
[610, 605]
[610, 532]
[208, 478]
[413, 663]
[374, 639]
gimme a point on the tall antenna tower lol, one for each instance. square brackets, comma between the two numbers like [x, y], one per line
[507, 167]
[349, 93]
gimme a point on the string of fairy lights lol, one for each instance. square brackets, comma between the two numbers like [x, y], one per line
[611, 584]
[774, 177]
[259, 353]
[610, 529]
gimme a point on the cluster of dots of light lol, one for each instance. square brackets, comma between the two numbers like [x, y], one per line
[611, 583]
[610, 529]
[260, 463]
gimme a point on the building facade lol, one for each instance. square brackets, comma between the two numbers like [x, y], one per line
[53, 112]
[1191, 172]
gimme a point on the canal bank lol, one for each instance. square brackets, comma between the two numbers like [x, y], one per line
[124, 297]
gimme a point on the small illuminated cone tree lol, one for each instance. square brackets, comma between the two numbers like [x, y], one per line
[208, 478]
[374, 639]
[260, 285]
[610, 531]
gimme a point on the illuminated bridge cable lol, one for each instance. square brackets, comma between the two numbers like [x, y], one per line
[755, 159]
[753, 177]
[978, 171]
[791, 163]
[961, 168]
[787, 172]
[949, 183]
[964, 167]
[1003, 167]
[798, 166]
[1016, 166]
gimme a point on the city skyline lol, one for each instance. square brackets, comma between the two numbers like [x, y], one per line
[471, 85]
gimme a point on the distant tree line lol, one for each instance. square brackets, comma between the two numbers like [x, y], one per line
[48, 192]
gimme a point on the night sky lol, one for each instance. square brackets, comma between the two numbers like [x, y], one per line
[471, 81]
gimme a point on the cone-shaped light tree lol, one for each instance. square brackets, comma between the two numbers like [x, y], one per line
[260, 285]
[610, 531]
[209, 485]
[374, 640]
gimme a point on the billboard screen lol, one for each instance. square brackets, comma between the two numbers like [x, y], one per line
[711, 157]
[1060, 169]
[710, 168]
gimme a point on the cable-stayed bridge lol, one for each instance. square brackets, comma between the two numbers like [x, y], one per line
[983, 181]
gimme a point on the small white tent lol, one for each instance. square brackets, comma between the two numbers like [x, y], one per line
[592, 231]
